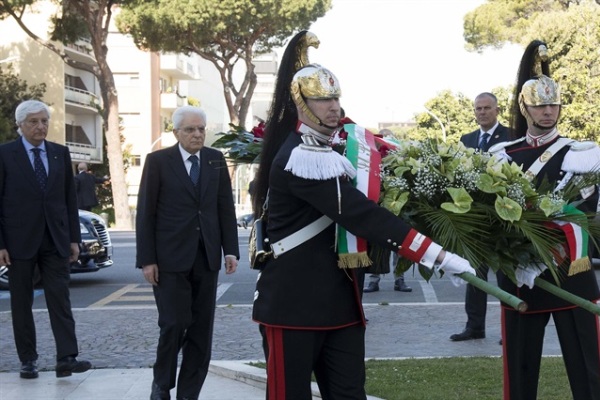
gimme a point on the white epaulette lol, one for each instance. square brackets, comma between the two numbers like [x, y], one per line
[502, 145]
[582, 157]
[318, 162]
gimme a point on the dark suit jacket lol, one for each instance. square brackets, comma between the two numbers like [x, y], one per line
[25, 210]
[172, 215]
[472, 139]
[86, 189]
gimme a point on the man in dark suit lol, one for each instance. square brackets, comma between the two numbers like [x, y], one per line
[85, 183]
[489, 133]
[185, 221]
[39, 225]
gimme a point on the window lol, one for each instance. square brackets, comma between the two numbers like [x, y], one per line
[135, 160]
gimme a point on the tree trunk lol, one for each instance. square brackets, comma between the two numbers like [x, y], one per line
[123, 218]
[113, 144]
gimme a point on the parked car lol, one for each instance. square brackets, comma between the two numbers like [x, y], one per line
[95, 249]
[245, 220]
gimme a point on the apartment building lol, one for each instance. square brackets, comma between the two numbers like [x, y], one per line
[72, 94]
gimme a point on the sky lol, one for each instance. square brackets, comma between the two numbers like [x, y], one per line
[392, 56]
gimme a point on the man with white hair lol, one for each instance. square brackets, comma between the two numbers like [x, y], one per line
[39, 226]
[185, 223]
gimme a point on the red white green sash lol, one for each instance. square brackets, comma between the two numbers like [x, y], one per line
[362, 152]
[576, 246]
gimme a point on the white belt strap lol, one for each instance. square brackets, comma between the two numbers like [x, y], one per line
[546, 156]
[301, 236]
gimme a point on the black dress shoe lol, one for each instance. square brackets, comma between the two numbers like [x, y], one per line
[69, 365]
[468, 334]
[372, 287]
[29, 370]
[400, 286]
[159, 393]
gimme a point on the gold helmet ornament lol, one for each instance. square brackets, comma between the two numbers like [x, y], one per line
[312, 81]
[540, 90]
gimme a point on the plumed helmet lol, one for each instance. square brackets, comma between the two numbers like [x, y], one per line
[314, 82]
[534, 85]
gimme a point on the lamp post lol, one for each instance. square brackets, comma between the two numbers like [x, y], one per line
[162, 138]
[439, 122]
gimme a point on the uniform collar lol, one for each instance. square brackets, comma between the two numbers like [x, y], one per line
[537, 141]
[321, 138]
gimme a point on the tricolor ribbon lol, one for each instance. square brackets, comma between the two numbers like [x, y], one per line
[362, 152]
[577, 239]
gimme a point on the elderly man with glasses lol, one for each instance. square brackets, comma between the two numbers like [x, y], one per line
[39, 227]
[185, 222]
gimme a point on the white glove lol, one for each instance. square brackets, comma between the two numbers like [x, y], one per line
[453, 264]
[527, 274]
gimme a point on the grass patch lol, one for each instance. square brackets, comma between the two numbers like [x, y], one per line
[454, 378]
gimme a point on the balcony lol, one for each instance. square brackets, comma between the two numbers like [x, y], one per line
[81, 101]
[81, 51]
[171, 101]
[178, 66]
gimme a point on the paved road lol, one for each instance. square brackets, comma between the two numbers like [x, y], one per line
[118, 330]
[126, 338]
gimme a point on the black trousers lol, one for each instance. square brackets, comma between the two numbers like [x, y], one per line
[523, 338]
[337, 358]
[476, 302]
[186, 309]
[55, 274]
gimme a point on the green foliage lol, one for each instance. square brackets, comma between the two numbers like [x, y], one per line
[68, 27]
[213, 26]
[455, 111]
[470, 202]
[455, 378]
[242, 147]
[12, 92]
[572, 31]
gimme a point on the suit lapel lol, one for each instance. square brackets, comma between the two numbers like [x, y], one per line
[54, 164]
[179, 170]
[205, 170]
[500, 135]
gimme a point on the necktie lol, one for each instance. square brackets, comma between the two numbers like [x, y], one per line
[38, 166]
[483, 140]
[195, 169]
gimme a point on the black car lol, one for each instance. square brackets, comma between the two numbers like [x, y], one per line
[245, 220]
[95, 250]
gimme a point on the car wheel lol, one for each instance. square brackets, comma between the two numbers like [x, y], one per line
[3, 277]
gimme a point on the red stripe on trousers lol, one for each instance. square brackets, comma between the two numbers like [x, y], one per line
[275, 365]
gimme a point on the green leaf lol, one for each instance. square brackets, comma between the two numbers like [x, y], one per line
[549, 206]
[507, 209]
[487, 184]
[461, 201]
[394, 200]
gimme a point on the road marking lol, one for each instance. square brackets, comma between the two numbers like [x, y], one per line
[222, 288]
[134, 293]
[113, 296]
[428, 292]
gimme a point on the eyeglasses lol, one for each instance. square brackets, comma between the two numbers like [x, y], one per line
[191, 129]
[35, 122]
